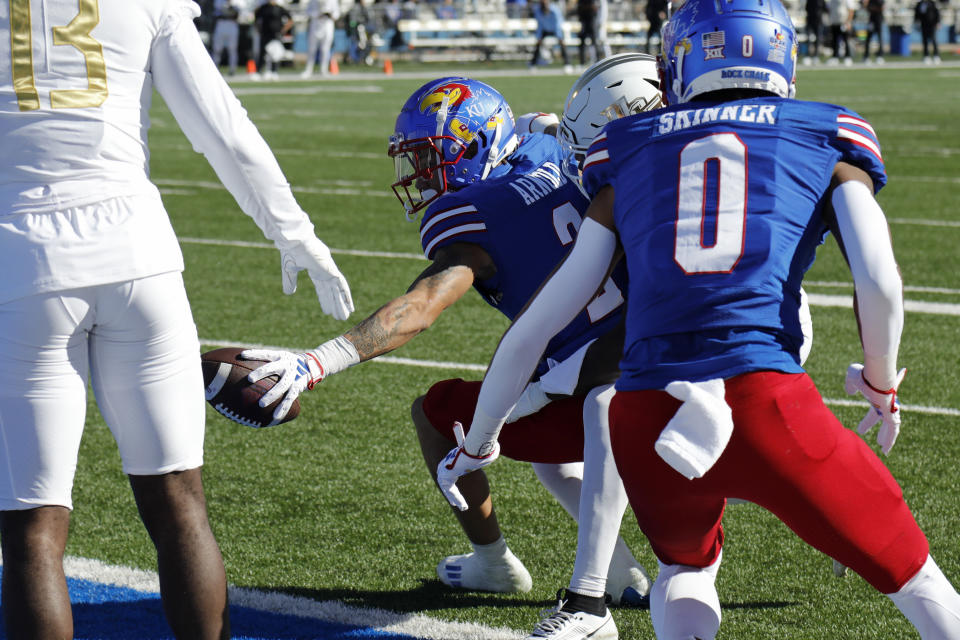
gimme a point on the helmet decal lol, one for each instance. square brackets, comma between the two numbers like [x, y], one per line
[454, 92]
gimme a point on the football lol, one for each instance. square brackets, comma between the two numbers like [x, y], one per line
[229, 392]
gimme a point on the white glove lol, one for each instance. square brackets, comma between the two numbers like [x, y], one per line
[536, 122]
[297, 372]
[459, 463]
[314, 257]
[531, 400]
[886, 408]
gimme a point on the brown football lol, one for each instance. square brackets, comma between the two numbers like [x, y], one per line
[229, 392]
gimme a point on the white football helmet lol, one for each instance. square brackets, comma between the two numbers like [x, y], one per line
[611, 88]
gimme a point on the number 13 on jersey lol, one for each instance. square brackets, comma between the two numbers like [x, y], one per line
[75, 34]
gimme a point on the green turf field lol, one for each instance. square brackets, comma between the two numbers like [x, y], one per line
[338, 504]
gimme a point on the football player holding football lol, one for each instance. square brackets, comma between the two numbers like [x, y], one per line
[500, 211]
[719, 201]
[92, 288]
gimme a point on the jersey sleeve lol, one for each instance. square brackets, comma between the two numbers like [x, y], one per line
[217, 126]
[449, 221]
[597, 170]
[857, 142]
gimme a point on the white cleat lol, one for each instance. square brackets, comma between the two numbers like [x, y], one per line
[630, 587]
[468, 571]
[566, 625]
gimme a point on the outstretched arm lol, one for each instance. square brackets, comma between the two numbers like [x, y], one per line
[440, 285]
[218, 127]
[394, 324]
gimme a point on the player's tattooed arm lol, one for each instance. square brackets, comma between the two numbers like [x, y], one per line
[449, 276]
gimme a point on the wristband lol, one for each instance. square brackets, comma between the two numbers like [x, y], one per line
[336, 355]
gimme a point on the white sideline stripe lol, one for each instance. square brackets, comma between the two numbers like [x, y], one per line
[926, 223]
[412, 624]
[849, 285]
[438, 364]
[909, 408]
[305, 91]
[178, 185]
[420, 256]
[915, 306]
[267, 245]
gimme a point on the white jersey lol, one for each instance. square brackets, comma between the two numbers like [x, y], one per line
[77, 207]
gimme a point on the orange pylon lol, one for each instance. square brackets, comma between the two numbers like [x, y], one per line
[387, 66]
[334, 67]
[251, 66]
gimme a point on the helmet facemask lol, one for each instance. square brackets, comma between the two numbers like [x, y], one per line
[421, 171]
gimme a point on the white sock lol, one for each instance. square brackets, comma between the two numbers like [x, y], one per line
[930, 603]
[493, 552]
[684, 602]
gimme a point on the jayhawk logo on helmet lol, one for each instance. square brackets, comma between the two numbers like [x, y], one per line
[455, 93]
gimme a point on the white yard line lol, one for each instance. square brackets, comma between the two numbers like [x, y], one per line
[413, 624]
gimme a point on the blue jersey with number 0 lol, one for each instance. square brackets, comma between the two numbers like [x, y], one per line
[720, 209]
[525, 215]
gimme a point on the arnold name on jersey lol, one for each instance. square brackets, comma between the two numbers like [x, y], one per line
[538, 183]
[683, 119]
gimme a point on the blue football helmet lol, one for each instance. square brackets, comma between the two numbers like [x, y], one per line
[450, 133]
[728, 44]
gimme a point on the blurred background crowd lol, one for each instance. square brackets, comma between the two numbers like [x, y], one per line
[261, 37]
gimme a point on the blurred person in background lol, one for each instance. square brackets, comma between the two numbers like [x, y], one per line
[874, 28]
[656, 12]
[273, 22]
[841, 25]
[588, 12]
[549, 17]
[322, 16]
[927, 15]
[226, 34]
[814, 30]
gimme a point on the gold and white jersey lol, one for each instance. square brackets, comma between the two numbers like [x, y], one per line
[76, 81]
[75, 92]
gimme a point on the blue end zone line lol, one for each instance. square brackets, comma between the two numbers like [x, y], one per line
[119, 603]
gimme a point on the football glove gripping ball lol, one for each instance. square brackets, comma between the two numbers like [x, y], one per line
[459, 463]
[885, 409]
[297, 372]
[314, 257]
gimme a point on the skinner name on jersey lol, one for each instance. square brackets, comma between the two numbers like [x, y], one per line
[676, 120]
[538, 183]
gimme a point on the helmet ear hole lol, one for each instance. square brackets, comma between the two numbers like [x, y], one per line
[472, 150]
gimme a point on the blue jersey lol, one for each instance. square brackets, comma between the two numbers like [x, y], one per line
[720, 209]
[525, 215]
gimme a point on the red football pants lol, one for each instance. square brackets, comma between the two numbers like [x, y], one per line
[789, 454]
[552, 435]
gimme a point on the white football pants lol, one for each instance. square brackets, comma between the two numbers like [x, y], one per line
[320, 38]
[137, 342]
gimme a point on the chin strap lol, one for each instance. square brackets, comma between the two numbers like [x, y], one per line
[677, 82]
